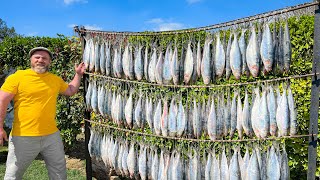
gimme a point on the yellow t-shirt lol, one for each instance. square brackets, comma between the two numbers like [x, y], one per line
[34, 102]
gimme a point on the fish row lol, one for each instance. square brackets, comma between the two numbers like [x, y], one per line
[141, 161]
[269, 113]
[262, 51]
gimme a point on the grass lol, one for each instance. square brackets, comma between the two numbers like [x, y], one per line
[37, 170]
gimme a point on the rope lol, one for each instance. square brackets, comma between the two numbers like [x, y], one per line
[198, 140]
[82, 31]
[203, 86]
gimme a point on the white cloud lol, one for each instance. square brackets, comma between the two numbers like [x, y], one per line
[170, 26]
[67, 2]
[91, 27]
[165, 25]
[155, 21]
[193, 1]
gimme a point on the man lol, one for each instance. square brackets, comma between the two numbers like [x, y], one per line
[34, 92]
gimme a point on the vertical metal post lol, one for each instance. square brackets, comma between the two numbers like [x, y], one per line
[314, 106]
[86, 116]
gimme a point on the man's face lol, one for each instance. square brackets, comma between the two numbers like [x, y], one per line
[40, 61]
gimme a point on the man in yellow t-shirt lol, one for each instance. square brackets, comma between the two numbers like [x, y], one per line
[34, 92]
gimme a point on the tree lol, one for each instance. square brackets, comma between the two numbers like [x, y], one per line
[5, 31]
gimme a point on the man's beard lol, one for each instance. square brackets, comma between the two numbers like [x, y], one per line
[40, 69]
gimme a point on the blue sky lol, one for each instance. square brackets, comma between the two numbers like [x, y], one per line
[49, 17]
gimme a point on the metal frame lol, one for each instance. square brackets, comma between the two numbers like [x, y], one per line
[314, 105]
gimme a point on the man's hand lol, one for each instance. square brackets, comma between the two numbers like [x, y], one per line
[3, 136]
[80, 68]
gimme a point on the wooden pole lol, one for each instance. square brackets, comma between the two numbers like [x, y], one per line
[314, 106]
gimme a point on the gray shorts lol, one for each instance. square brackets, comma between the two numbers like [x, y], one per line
[24, 149]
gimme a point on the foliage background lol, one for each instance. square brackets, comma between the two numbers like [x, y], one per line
[67, 51]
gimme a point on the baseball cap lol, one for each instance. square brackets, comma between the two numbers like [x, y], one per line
[40, 49]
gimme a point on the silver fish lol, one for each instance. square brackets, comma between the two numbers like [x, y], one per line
[243, 49]
[101, 94]
[283, 116]
[272, 107]
[138, 112]
[253, 171]
[181, 119]
[246, 116]
[228, 68]
[166, 71]
[233, 114]
[138, 63]
[88, 95]
[96, 57]
[142, 163]
[149, 112]
[255, 112]
[293, 113]
[212, 122]
[286, 48]
[102, 58]
[234, 170]
[196, 123]
[280, 62]
[159, 69]
[239, 118]
[206, 61]
[266, 48]
[117, 62]
[94, 97]
[188, 64]
[224, 173]
[132, 161]
[263, 119]
[227, 115]
[128, 111]
[86, 52]
[220, 57]
[152, 66]
[252, 54]
[207, 174]
[199, 59]
[146, 63]
[284, 168]
[273, 166]
[172, 119]
[155, 165]
[164, 119]
[124, 159]
[235, 58]
[175, 69]
[157, 118]
[215, 168]
[108, 58]
[92, 56]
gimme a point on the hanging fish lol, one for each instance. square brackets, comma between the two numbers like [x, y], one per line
[86, 52]
[142, 162]
[155, 165]
[284, 166]
[94, 97]
[101, 94]
[96, 57]
[128, 111]
[127, 61]
[206, 61]
[88, 95]
[227, 115]
[188, 64]
[246, 116]
[166, 72]
[132, 161]
[224, 174]
[124, 159]
[92, 56]
[172, 118]
[283, 115]
[181, 119]
[255, 110]
[159, 68]
[157, 118]
[117, 62]
[177, 172]
[181, 63]
[215, 168]
[234, 170]
[138, 112]
[235, 58]
[164, 119]
[212, 122]
[152, 66]
[199, 57]
[252, 53]
[243, 49]
[228, 68]
[149, 112]
[253, 171]
[266, 48]
[263, 121]
[220, 57]
[174, 66]
[275, 48]
[108, 58]
[273, 167]
[233, 114]
[146, 63]
[102, 58]
[245, 164]
[207, 174]
[138, 63]
[293, 113]
[239, 118]
[286, 47]
[196, 123]
[272, 107]
[281, 50]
